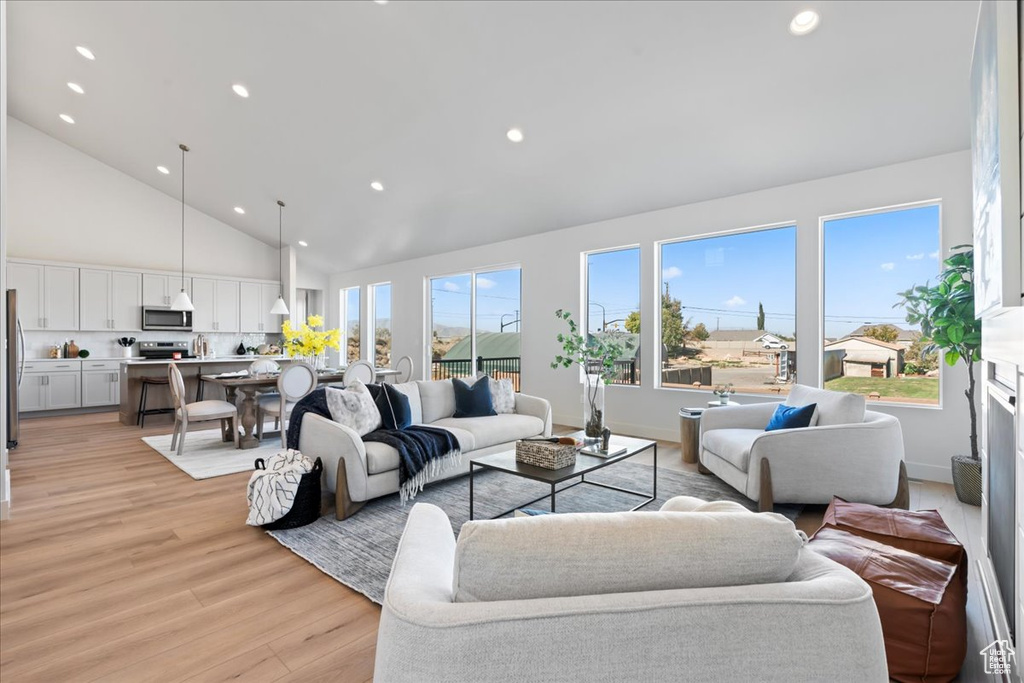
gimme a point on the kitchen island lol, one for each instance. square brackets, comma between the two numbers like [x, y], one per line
[134, 369]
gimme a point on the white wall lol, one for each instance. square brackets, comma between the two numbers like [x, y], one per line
[551, 279]
[67, 206]
[4, 495]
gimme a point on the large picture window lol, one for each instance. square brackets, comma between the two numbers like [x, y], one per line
[613, 306]
[350, 323]
[475, 324]
[868, 259]
[382, 325]
[728, 311]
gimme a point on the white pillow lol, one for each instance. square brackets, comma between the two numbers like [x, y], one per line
[353, 407]
[834, 407]
[503, 395]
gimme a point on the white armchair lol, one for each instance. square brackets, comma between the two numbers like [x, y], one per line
[848, 451]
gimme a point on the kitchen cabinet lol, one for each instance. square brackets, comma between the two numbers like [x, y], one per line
[100, 388]
[31, 393]
[47, 295]
[160, 290]
[63, 390]
[255, 301]
[50, 385]
[110, 300]
[216, 305]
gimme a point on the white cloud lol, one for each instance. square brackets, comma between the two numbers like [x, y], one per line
[485, 282]
[934, 255]
[915, 257]
[670, 273]
[735, 301]
[450, 286]
[888, 266]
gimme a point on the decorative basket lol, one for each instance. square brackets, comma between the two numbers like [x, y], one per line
[550, 456]
[306, 507]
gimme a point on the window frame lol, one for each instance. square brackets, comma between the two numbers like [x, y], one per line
[585, 301]
[371, 310]
[658, 266]
[820, 360]
[343, 311]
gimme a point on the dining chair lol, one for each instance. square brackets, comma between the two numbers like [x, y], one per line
[362, 370]
[404, 367]
[200, 411]
[295, 382]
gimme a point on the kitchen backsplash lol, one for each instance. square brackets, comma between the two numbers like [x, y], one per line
[104, 344]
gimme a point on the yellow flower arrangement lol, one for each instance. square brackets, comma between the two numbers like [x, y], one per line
[307, 340]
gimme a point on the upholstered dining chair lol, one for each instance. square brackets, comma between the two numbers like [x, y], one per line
[200, 411]
[295, 382]
[361, 370]
[404, 367]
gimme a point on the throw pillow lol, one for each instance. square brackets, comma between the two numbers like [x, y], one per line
[353, 407]
[791, 417]
[503, 396]
[395, 409]
[473, 400]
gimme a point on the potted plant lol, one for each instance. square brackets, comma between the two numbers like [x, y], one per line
[597, 356]
[723, 392]
[945, 312]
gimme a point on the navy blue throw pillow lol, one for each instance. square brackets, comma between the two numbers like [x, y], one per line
[395, 411]
[791, 417]
[473, 400]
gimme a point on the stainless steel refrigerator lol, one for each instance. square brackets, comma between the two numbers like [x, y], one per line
[14, 356]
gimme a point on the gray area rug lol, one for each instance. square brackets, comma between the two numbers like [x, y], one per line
[359, 551]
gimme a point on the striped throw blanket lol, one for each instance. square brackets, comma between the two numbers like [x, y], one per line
[271, 492]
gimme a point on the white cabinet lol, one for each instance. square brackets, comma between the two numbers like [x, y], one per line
[63, 390]
[100, 388]
[216, 305]
[255, 301]
[50, 385]
[28, 279]
[31, 393]
[47, 295]
[160, 290]
[110, 300]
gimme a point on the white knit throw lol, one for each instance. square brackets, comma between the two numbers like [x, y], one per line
[271, 492]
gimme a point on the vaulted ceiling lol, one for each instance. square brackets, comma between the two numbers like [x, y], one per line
[625, 106]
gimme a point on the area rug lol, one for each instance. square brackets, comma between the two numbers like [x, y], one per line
[359, 551]
[206, 456]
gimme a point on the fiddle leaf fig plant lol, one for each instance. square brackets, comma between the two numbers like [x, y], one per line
[945, 312]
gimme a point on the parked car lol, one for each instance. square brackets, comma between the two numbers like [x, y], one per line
[770, 344]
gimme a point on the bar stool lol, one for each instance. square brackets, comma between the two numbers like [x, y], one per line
[144, 394]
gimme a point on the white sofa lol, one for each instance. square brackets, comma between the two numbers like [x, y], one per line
[595, 597]
[357, 472]
[848, 451]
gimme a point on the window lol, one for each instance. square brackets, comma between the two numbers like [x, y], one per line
[728, 311]
[382, 325]
[868, 259]
[350, 322]
[613, 305]
[475, 324]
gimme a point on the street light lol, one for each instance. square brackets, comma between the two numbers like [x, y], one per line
[604, 315]
[514, 322]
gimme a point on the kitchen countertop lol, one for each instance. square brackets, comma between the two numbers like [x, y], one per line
[194, 361]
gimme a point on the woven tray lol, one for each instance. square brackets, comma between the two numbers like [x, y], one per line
[550, 456]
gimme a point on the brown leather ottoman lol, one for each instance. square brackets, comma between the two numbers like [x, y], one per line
[918, 574]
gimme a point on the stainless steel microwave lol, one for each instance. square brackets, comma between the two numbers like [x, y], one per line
[162, 318]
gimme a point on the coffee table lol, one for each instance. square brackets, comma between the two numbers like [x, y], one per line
[585, 464]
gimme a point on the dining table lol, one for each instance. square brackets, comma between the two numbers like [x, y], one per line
[249, 385]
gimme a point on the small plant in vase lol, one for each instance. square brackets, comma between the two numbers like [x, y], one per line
[596, 355]
[723, 392]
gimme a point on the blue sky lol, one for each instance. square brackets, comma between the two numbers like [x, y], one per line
[497, 300]
[869, 258]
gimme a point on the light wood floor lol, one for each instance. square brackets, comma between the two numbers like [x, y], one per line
[116, 566]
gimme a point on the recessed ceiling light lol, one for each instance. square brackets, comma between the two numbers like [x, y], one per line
[514, 134]
[162, 169]
[381, 2]
[85, 52]
[303, 243]
[377, 185]
[239, 209]
[240, 90]
[66, 119]
[76, 88]
[804, 22]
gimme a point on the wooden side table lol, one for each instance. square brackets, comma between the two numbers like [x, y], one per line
[689, 436]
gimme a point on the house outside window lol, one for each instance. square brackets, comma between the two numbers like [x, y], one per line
[868, 259]
[728, 311]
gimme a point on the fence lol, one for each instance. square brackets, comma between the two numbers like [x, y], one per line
[498, 368]
[626, 371]
[687, 376]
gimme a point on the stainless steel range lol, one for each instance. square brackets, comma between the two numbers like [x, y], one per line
[165, 350]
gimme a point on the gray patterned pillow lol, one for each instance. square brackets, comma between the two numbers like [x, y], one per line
[353, 407]
[503, 395]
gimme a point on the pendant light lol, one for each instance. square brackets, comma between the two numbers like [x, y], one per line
[181, 301]
[280, 307]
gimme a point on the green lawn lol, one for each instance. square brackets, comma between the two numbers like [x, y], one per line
[922, 388]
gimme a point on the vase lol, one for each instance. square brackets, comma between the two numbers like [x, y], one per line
[318, 361]
[724, 399]
[593, 407]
